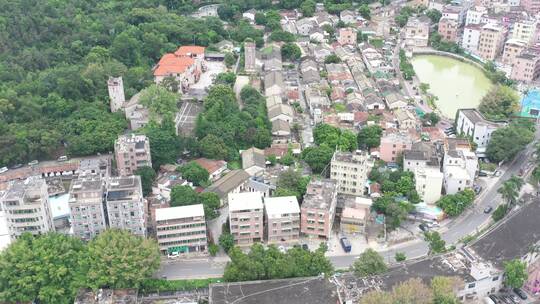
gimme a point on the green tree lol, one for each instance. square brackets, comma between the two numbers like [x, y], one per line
[213, 147]
[435, 242]
[290, 51]
[317, 157]
[500, 212]
[445, 289]
[49, 268]
[213, 249]
[283, 36]
[226, 241]
[400, 257]
[159, 100]
[515, 273]
[210, 202]
[183, 195]
[430, 119]
[507, 142]
[229, 60]
[164, 144]
[226, 78]
[291, 183]
[499, 103]
[369, 137]
[424, 87]
[370, 262]
[148, 176]
[454, 204]
[434, 15]
[365, 11]
[194, 173]
[332, 59]
[119, 259]
[307, 8]
[509, 190]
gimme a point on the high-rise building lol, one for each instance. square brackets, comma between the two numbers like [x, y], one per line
[350, 170]
[26, 207]
[125, 204]
[492, 37]
[116, 93]
[181, 229]
[86, 206]
[132, 152]
[319, 208]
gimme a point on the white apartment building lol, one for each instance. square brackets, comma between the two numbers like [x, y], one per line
[181, 229]
[472, 123]
[86, 206]
[246, 211]
[474, 15]
[126, 207]
[471, 37]
[417, 31]
[350, 170]
[429, 181]
[26, 208]
[459, 168]
[525, 30]
[132, 152]
[282, 219]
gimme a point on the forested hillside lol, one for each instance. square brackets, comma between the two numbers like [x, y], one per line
[55, 58]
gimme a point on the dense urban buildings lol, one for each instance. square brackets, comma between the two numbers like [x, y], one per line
[88, 216]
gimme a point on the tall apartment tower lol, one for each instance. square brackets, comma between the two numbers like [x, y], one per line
[116, 93]
[132, 152]
[86, 206]
[26, 207]
[351, 170]
[125, 204]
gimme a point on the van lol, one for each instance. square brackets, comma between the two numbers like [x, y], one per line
[62, 158]
[3, 169]
[346, 244]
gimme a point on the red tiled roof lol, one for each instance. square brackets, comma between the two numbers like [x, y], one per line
[171, 64]
[189, 50]
[210, 165]
[360, 117]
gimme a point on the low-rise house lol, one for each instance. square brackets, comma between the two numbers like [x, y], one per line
[225, 46]
[318, 208]
[310, 71]
[348, 16]
[406, 120]
[350, 170]
[474, 15]
[185, 66]
[392, 145]
[273, 84]
[282, 219]
[249, 15]
[373, 102]
[281, 131]
[282, 111]
[355, 216]
[417, 31]
[449, 29]
[470, 122]
[395, 100]
[246, 217]
[459, 168]
[137, 114]
[304, 26]
[253, 161]
[317, 35]
[454, 13]
[250, 57]
[347, 35]
[421, 155]
[215, 168]
[181, 229]
[263, 184]
[272, 58]
[273, 100]
[166, 181]
[233, 182]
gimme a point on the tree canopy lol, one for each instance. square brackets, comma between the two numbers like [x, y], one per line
[369, 137]
[515, 273]
[508, 141]
[147, 175]
[499, 103]
[291, 183]
[194, 173]
[370, 262]
[455, 204]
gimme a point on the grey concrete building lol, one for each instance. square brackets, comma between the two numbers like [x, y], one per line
[125, 204]
[86, 206]
[132, 152]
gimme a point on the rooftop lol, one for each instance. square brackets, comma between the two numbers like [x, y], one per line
[276, 206]
[357, 157]
[172, 64]
[87, 183]
[163, 214]
[314, 290]
[476, 117]
[188, 50]
[124, 141]
[319, 194]
[124, 188]
[253, 157]
[245, 201]
[210, 165]
[228, 183]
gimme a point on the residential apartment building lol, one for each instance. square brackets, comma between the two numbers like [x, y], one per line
[347, 35]
[428, 182]
[422, 154]
[459, 169]
[319, 208]
[26, 207]
[526, 67]
[392, 145]
[453, 12]
[132, 152]
[492, 37]
[125, 204]
[417, 31]
[351, 170]
[531, 6]
[246, 211]
[470, 122]
[181, 229]
[475, 14]
[512, 48]
[87, 207]
[449, 29]
[471, 37]
[525, 30]
[282, 219]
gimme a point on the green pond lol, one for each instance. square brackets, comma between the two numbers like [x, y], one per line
[457, 84]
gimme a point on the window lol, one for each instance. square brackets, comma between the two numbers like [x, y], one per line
[472, 285]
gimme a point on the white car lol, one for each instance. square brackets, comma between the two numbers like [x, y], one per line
[3, 169]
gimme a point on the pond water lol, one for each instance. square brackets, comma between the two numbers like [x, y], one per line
[457, 84]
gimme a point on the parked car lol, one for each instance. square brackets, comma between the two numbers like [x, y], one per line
[305, 246]
[520, 293]
[482, 174]
[423, 227]
[33, 163]
[62, 158]
[17, 166]
[346, 244]
[477, 189]
[488, 209]
[3, 169]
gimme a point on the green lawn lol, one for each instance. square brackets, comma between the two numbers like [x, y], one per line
[154, 285]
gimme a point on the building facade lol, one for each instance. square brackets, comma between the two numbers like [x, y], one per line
[350, 170]
[282, 219]
[132, 152]
[86, 206]
[26, 208]
[246, 211]
[392, 145]
[512, 48]
[126, 207]
[347, 35]
[319, 208]
[472, 123]
[492, 37]
[181, 229]
[428, 181]
[449, 29]
[417, 32]
[526, 68]
[471, 37]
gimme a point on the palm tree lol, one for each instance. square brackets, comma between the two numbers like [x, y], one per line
[518, 182]
[510, 189]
